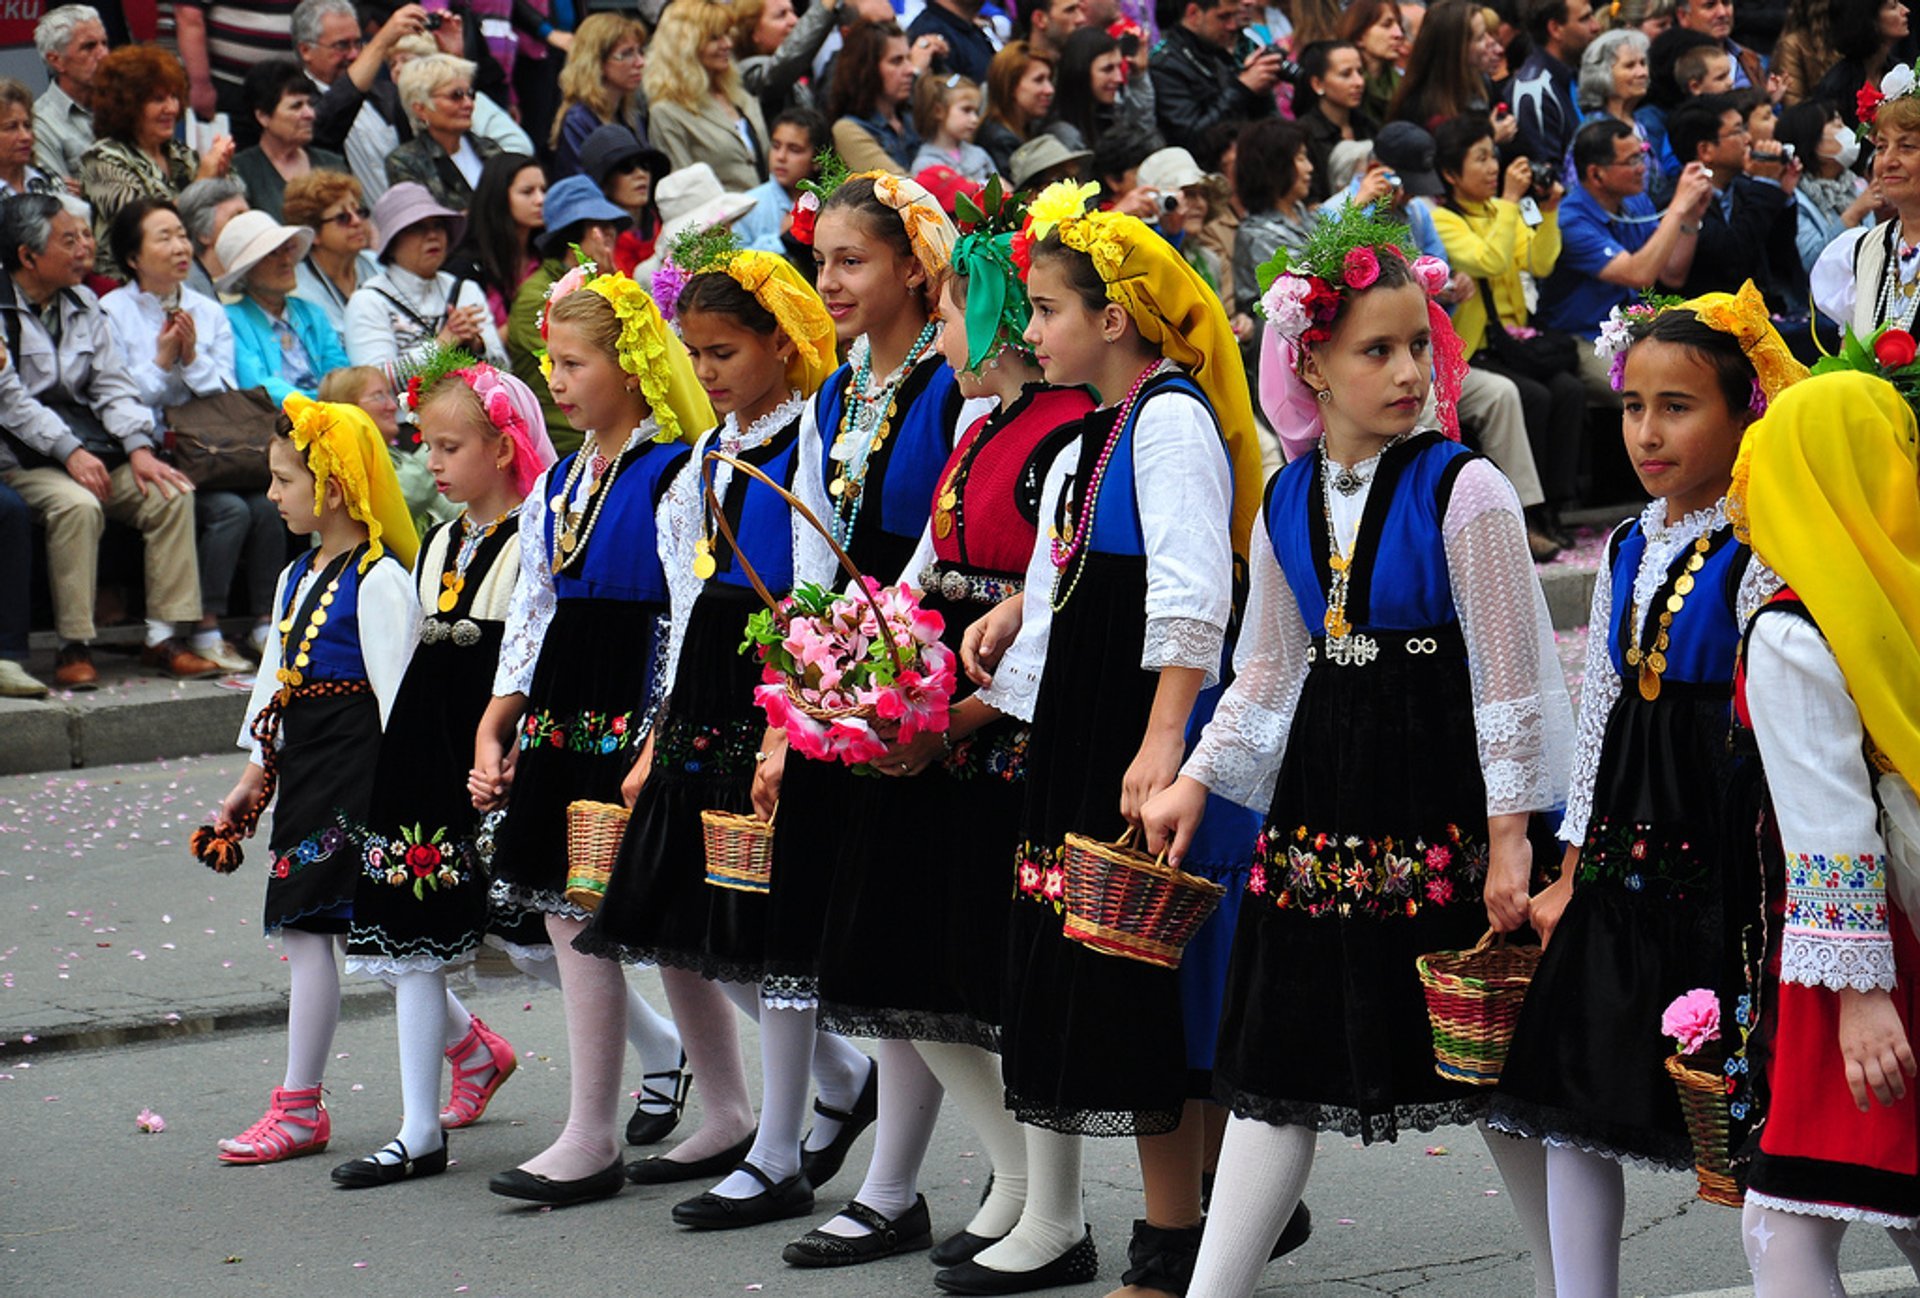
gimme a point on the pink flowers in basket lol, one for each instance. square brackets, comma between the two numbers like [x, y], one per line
[1692, 1020]
[833, 684]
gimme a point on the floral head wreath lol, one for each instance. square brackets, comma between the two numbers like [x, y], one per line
[1899, 83]
[644, 346]
[774, 284]
[508, 404]
[997, 308]
[341, 443]
[1301, 296]
[1742, 316]
[829, 173]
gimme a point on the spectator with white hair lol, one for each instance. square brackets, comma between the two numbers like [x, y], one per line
[444, 155]
[72, 41]
[344, 63]
[383, 124]
[206, 206]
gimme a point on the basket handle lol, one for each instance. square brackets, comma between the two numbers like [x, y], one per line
[1489, 940]
[1160, 865]
[846, 562]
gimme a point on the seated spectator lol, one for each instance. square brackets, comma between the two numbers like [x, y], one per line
[1613, 245]
[627, 174]
[1651, 18]
[281, 343]
[1751, 230]
[1804, 52]
[1272, 174]
[444, 156]
[1197, 81]
[16, 592]
[1398, 183]
[1326, 103]
[206, 206]
[177, 345]
[367, 387]
[1831, 199]
[1487, 239]
[1715, 18]
[1706, 63]
[383, 124]
[774, 48]
[1613, 83]
[1094, 94]
[507, 214]
[18, 175]
[139, 95]
[1049, 25]
[1115, 166]
[398, 318]
[280, 96]
[946, 113]
[1870, 36]
[1044, 159]
[872, 84]
[697, 110]
[967, 38]
[798, 135]
[72, 41]
[345, 62]
[578, 216]
[1861, 279]
[1183, 196]
[599, 86]
[1020, 93]
[1373, 27]
[1446, 71]
[338, 263]
[692, 198]
[1541, 93]
[78, 445]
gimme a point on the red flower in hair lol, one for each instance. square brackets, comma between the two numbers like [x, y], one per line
[1021, 251]
[413, 393]
[805, 209]
[1895, 349]
[1867, 103]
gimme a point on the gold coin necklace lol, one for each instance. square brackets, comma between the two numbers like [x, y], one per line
[292, 677]
[471, 539]
[1653, 661]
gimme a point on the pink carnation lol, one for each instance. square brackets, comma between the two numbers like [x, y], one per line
[1362, 268]
[1693, 1020]
[1285, 306]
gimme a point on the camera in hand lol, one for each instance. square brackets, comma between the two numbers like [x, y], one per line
[1544, 176]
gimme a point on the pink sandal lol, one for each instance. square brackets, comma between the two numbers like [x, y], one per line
[469, 1099]
[269, 1141]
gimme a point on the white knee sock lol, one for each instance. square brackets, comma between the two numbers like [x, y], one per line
[594, 992]
[786, 1057]
[1586, 1212]
[972, 1079]
[1523, 1169]
[459, 1018]
[656, 1041]
[540, 967]
[1054, 1219]
[745, 998]
[1262, 1173]
[313, 1005]
[909, 1106]
[839, 1074]
[420, 1007]
[1907, 1240]
[1792, 1255]
[712, 1039]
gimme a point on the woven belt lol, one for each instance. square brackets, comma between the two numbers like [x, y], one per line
[952, 584]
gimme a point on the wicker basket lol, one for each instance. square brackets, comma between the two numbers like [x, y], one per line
[1120, 901]
[739, 850]
[593, 840]
[1473, 1001]
[1703, 1098]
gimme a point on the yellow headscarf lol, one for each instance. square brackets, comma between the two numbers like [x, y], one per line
[341, 443]
[1744, 317]
[797, 308]
[647, 349]
[1827, 491]
[1175, 311]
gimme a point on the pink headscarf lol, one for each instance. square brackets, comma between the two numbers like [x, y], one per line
[512, 408]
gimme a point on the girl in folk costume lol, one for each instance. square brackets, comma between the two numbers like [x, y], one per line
[1869, 276]
[344, 628]
[1653, 893]
[420, 905]
[872, 443]
[1825, 492]
[1393, 609]
[1140, 509]
[761, 343]
[576, 687]
[925, 964]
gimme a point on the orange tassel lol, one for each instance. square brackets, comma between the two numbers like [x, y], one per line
[218, 848]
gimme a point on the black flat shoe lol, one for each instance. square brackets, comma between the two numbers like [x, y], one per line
[645, 1128]
[960, 1247]
[822, 1165]
[777, 1201]
[661, 1170]
[518, 1183]
[1077, 1265]
[1299, 1230]
[365, 1173]
[910, 1232]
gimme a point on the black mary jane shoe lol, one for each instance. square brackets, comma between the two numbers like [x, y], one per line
[518, 1183]
[661, 1170]
[1161, 1259]
[371, 1170]
[822, 1165]
[1299, 1230]
[777, 1201]
[1078, 1265]
[961, 1246]
[645, 1128]
[910, 1232]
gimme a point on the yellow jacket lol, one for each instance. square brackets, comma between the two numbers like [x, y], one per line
[1489, 241]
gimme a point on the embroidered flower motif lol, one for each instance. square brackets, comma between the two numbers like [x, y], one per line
[423, 859]
[1257, 880]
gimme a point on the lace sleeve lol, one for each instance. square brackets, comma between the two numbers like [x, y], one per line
[1599, 687]
[1758, 584]
[682, 518]
[1813, 748]
[530, 611]
[1239, 753]
[1521, 714]
[1016, 682]
[812, 557]
[1183, 488]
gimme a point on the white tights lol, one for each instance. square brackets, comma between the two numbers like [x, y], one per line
[909, 1106]
[1523, 1170]
[1793, 1255]
[1262, 1174]
[596, 996]
[1586, 1212]
[313, 1012]
[972, 1078]
[651, 1034]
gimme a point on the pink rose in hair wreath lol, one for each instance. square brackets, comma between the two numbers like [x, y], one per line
[1692, 1020]
[1362, 268]
[1285, 305]
[1430, 273]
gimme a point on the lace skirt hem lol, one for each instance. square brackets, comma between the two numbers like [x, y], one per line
[908, 1025]
[1371, 1126]
[1833, 1211]
[1557, 1127]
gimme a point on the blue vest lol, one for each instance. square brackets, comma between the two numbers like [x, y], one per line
[1704, 640]
[1401, 582]
[917, 448]
[623, 559]
[335, 652]
[1116, 514]
[763, 523]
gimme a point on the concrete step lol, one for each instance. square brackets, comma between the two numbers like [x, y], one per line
[134, 716]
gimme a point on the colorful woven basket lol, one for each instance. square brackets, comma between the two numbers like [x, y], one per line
[1473, 1001]
[1120, 901]
[739, 850]
[593, 840]
[1703, 1098]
